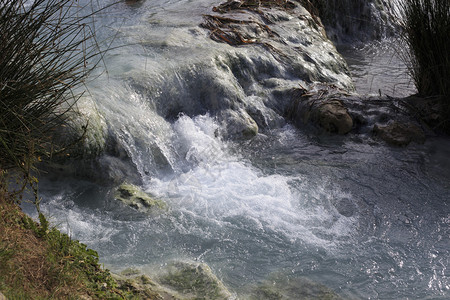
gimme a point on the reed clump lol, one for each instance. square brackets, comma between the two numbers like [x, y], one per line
[426, 31]
[46, 49]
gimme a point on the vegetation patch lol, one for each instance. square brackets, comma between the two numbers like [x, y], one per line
[426, 31]
[39, 262]
[47, 51]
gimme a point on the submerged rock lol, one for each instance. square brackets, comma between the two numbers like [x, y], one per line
[346, 207]
[333, 117]
[130, 272]
[179, 281]
[239, 124]
[141, 285]
[322, 108]
[281, 287]
[136, 198]
[400, 134]
[194, 281]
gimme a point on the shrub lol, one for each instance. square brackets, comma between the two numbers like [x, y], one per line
[426, 31]
[46, 47]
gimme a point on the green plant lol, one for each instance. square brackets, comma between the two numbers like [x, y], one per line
[426, 31]
[39, 262]
[46, 50]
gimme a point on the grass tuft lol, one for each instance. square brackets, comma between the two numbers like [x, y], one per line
[426, 32]
[47, 49]
[39, 262]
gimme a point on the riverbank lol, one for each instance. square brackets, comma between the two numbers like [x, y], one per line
[39, 262]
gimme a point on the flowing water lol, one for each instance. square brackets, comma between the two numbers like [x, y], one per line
[377, 68]
[365, 219]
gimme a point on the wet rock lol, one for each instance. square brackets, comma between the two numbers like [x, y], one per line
[134, 197]
[79, 142]
[280, 287]
[141, 286]
[346, 207]
[84, 134]
[194, 281]
[284, 30]
[400, 134]
[397, 121]
[333, 117]
[278, 45]
[115, 170]
[322, 108]
[266, 117]
[239, 124]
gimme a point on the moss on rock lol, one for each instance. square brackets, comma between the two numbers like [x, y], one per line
[278, 287]
[179, 281]
[194, 281]
[135, 197]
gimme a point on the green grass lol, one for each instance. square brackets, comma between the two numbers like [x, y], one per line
[40, 262]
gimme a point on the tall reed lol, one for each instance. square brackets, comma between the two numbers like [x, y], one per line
[47, 49]
[426, 31]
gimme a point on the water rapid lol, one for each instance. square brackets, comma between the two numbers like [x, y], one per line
[367, 220]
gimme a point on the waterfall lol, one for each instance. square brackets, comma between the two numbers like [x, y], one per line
[201, 125]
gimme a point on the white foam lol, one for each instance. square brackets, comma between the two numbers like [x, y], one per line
[90, 227]
[221, 187]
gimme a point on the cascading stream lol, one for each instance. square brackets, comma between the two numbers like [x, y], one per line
[367, 220]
